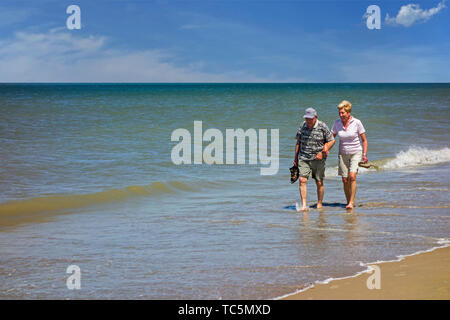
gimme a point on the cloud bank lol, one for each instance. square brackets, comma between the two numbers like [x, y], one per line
[60, 56]
[412, 13]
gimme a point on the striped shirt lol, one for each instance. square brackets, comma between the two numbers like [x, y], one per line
[312, 141]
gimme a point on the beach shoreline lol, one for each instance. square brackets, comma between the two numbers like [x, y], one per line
[424, 275]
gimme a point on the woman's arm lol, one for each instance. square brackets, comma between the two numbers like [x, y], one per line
[365, 146]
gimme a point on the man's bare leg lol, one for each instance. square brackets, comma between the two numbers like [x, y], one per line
[303, 192]
[320, 193]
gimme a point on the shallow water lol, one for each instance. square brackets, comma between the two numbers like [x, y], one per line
[87, 179]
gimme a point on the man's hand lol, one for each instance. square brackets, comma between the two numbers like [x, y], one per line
[319, 156]
[325, 151]
[295, 163]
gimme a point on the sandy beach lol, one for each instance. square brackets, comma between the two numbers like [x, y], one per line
[422, 276]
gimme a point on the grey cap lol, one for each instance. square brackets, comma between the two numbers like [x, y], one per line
[310, 113]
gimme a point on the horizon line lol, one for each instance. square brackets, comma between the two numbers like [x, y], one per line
[165, 83]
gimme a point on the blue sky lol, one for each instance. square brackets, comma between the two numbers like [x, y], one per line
[224, 41]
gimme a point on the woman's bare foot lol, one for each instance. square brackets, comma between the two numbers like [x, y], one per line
[349, 206]
[319, 206]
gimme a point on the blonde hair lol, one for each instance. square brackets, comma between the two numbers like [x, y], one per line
[346, 105]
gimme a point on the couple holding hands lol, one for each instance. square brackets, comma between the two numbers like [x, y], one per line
[314, 141]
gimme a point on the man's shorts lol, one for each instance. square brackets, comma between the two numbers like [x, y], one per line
[348, 162]
[312, 168]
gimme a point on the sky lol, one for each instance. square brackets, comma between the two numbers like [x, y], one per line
[224, 41]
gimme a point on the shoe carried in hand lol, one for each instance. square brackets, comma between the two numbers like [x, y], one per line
[294, 173]
[367, 165]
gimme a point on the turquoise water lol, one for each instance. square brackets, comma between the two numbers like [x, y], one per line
[87, 179]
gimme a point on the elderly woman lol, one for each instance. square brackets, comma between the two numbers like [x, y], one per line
[349, 130]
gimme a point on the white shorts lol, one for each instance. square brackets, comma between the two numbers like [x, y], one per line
[348, 163]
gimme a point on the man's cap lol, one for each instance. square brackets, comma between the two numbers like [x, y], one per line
[310, 113]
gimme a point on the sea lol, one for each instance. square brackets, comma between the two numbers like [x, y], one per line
[89, 178]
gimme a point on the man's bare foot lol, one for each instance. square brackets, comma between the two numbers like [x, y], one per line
[349, 206]
[319, 206]
[302, 208]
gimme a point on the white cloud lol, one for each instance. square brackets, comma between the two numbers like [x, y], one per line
[412, 13]
[60, 56]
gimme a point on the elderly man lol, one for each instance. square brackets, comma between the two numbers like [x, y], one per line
[314, 140]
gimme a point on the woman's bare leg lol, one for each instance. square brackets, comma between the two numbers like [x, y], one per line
[351, 189]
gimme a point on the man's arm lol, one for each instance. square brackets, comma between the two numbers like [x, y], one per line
[326, 148]
[328, 145]
[297, 149]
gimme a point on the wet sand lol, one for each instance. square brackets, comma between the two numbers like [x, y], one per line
[422, 276]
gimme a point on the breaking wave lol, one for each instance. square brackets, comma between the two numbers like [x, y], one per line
[14, 212]
[418, 156]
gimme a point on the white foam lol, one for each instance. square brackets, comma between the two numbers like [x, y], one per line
[443, 242]
[331, 172]
[418, 156]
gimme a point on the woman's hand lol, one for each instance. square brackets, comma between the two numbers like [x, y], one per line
[365, 159]
[319, 156]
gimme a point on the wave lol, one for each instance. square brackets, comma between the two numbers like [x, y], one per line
[34, 209]
[413, 157]
[417, 157]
